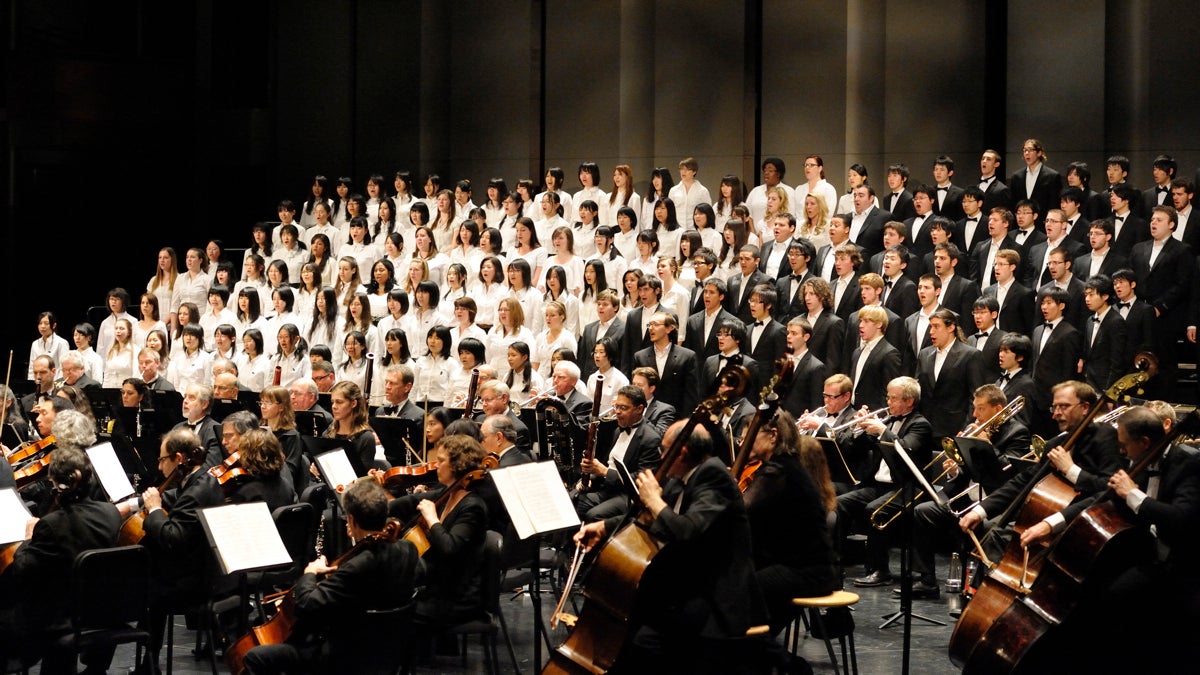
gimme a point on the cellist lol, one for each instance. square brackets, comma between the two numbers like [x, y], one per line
[1087, 466]
[334, 632]
[700, 593]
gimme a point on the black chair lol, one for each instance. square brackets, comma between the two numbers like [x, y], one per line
[110, 594]
[297, 526]
[492, 622]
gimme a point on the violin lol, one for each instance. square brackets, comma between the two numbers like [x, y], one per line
[229, 472]
[29, 450]
[33, 470]
[278, 628]
[405, 477]
[414, 531]
[133, 529]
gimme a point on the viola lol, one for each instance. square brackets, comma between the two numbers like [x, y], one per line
[404, 477]
[133, 529]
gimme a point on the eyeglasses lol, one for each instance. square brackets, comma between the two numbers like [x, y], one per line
[621, 407]
[824, 395]
[163, 459]
[656, 323]
[1054, 407]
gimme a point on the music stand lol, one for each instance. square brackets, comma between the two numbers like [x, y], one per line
[392, 433]
[168, 408]
[311, 422]
[907, 475]
[224, 407]
[980, 461]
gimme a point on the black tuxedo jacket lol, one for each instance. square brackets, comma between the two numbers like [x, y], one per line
[828, 336]
[1165, 285]
[1046, 187]
[631, 341]
[1112, 262]
[677, 383]
[771, 345]
[737, 299]
[1055, 363]
[1100, 206]
[1025, 243]
[977, 237]
[1134, 231]
[1175, 512]
[712, 368]
[894, 334]
[805, 386]
[910, 349]
[1020, 385]
[947, 401]
[919, 243]
[695, 335]
[587, 344]
[784, 268]
[881, 367]
[1139, 326]
[659, 415]
[951, 206]
[901, 298]
[851, 299]
[977, 261]
[1079, 231]
[912, 272]
[997, 194]
[915, 436]
[990, 354]
[901, 206]
[789, 305]
[644, 452]
[960, 296]
[1150, 200]
[1106, 356]
[870, 237]
[1019, 308]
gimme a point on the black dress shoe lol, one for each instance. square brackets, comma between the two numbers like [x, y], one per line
[922, 590]
[876, 578]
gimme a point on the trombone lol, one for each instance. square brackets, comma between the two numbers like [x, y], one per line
[949, 450]
[1111, 416]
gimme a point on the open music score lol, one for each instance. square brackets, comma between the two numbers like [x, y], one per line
[336, 469]
[13, 516]
[535, 498]
[110, 472]
[244, 537]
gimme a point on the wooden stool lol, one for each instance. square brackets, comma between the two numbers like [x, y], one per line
[835, 600]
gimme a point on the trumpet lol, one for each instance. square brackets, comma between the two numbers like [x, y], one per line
[950, 452]
[858, 419]
[549, 393]
[608, 415]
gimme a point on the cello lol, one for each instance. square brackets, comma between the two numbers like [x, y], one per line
[622, 560]
[743, 469]
[1089, 554]
[1045, 494]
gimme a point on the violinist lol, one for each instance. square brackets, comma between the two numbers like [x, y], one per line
[14, 419]
[702, 595]
[455, 530]
[260, 458]
[1088, 465]
[793, 549]
[334, 633]
[36, 588]
[81, 433]
[197, 399]
[174, 536]
[636, 445]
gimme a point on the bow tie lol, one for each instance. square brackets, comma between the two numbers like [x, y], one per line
[892, 419]
[973, 220]
[1095, 319]
[1048, 325]
[1004, 379]
[987, 180]
[1161, 189]
[981, 335]
[943, 189]
[757, 324]
[1120, 219]
[1122, 305]
[626, 430]
[888, 284]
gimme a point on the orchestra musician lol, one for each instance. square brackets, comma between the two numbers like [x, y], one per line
[658, 413]
[398, 383]
[304, 397]
[334, 632]
[494, 400]
[36, 590]
[793, 549]
[350, 422]
[834, 414]
[934, 522]
[907, 428]
[197, 399]
[563, 379]
[636, 445]
[261, 457]
[456, 530]
[150, 365]
[275, 406]
[44, 373]
[1088, 465]
[701, 596]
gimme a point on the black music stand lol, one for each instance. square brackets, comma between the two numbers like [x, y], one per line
[393, 432]
[311, 423]
[909, 476]
[980, 461]
[168, 408]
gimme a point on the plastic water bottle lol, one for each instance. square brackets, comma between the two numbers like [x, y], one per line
[954, 581]
[972, 566]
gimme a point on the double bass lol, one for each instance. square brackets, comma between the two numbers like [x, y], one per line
[603, 624]
[1045, 494]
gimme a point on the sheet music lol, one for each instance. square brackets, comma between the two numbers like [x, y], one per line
[535, 498]
[110, 472]
[244, 536]
[13, 516]
[336, 468]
